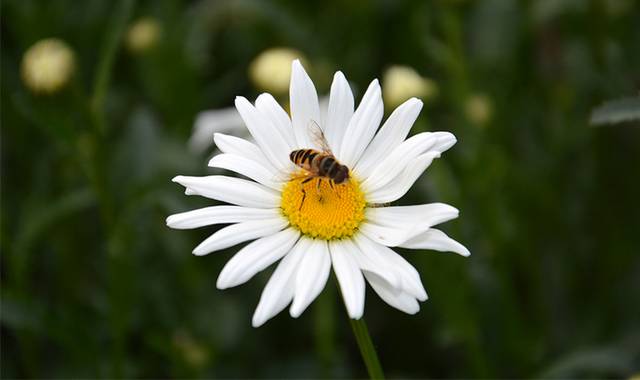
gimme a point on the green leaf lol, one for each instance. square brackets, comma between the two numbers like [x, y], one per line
[616, 111]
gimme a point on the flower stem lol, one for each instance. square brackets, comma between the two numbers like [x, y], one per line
[368, 352]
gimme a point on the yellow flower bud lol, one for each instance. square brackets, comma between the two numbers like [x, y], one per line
[194, 354]
[143, 35]
[271, 69]
[400, 83]
[47, 66]
[479, 109]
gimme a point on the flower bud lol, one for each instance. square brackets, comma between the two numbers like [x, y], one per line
[402, 82]
[271, 69]
[47, 66]
[479, 109]
[143, 35]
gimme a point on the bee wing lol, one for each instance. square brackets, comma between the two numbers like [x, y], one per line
[317, 137]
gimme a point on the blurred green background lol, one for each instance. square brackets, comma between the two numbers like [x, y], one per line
[95, 285]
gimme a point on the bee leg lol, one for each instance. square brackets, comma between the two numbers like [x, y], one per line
[332, 184]
[318, 188]
[304, 195]
[307, 180]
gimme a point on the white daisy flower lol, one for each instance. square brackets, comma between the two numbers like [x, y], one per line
[311, 226]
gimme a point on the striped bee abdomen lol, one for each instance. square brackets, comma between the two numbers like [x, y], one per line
[320, 164]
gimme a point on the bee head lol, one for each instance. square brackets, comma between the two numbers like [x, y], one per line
[342, 175]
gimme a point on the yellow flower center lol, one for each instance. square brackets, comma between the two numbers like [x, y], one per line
[321, 211]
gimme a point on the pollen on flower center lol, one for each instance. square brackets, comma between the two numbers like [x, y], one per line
[325, 212]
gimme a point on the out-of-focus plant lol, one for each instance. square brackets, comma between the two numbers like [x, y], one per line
[616, 111]
[143, 35]
[271, 70]
[478, 109]
[403, 82]
[47, 66]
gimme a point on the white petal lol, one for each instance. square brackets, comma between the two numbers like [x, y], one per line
[349, 277]
[412, 219]
[311, 277]
[436, 240]
[403, 182]
[281, 286]
[385, 235]
[370, 261]
[394, 297]
[362, 126]
[392, 133]
[242, 147]
[255, 257]
[238, 233]
[231, 190]
[324, 110]
[402, 156]
[278, 116]
[209, 122]
[219, 215]
[391, 265]
[303, 100]
[340, 111]
[267, 137]
[249, 168]
[408, 275]
[445, 141]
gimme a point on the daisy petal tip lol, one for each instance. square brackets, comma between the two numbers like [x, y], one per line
[221, 282]
[356, 314]
[446, 140]
[412, 102]
[460, 250]
[297, 70]
[263, 97]
[298, 306]
[197, 251]
[296, 310]
[257, 320]
[339, 75]
[241, 102]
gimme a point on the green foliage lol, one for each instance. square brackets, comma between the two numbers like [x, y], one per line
[95, 285]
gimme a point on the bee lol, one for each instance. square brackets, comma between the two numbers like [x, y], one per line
[319, 164]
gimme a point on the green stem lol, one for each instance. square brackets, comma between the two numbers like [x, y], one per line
[100, 179]
[368, 352]
[112, 41]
